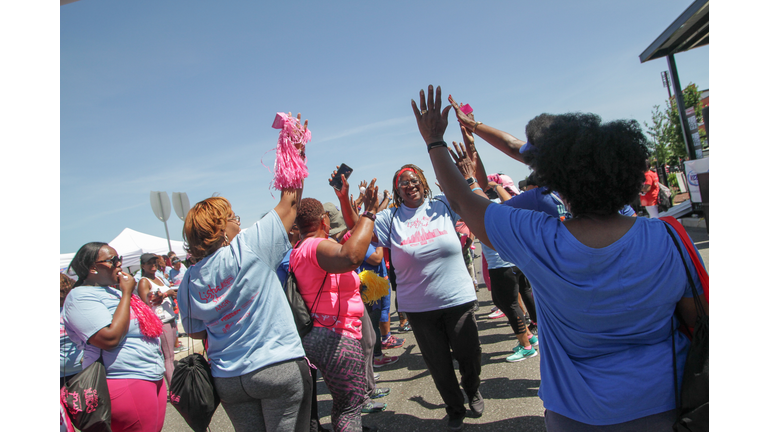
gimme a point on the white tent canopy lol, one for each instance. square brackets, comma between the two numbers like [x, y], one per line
[131, 244]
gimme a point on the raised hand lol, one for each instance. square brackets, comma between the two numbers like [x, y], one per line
[463, 161]
[371, 197]
[431, 121]
[127, 283]
[344, 185]
[467, 120]
[299, 145]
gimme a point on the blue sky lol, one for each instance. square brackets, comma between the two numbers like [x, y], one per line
[180, 97]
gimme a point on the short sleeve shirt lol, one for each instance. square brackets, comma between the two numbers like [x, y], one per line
[333, 299]
[651, 198]
[237, 298]
[70, 356]
[426, 254]
[89, 309]
[604, 314]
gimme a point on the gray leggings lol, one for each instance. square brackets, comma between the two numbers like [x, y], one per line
[274, 398]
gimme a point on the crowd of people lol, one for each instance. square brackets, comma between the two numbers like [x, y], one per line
[571, 270]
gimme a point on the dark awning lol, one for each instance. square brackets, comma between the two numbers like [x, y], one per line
[690, 30]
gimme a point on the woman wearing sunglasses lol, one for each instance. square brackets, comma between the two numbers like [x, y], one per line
[433, 287]
[103, 319]
[232, 297]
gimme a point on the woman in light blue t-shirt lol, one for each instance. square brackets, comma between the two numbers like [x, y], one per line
[233, 299]
[100, 318]
[606, 285]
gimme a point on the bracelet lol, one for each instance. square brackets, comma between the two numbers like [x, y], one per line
[369, 215]
[477, 188]
[474, 128]
[436, 144]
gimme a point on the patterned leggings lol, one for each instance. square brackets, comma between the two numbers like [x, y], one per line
[340, 360]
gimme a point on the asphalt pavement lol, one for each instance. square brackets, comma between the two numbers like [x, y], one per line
[509, 389]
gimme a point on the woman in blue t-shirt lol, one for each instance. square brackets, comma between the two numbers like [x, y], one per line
[606, 285]
[103, 319]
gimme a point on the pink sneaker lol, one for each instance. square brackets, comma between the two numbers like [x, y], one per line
[392, 342]
[384, 360]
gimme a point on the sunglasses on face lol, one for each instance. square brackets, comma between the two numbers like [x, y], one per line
[114, 260]
[406, 183]
[235, 219]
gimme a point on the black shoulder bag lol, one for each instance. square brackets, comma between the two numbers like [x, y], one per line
[86, 398]
[693, 400]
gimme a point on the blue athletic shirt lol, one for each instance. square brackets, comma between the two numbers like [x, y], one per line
[89, 309]
[492, 257]
[536, 199]
[605, 315]
[237, 297]
[426, 252]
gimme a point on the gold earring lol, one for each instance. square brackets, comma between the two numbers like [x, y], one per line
[226, 240]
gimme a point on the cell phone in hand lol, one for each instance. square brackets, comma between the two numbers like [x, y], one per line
[336, 180]
[491, 193]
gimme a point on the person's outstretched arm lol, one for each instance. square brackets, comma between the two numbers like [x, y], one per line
[345, 202]
[337, 258]
[503, 141]
[432, 124]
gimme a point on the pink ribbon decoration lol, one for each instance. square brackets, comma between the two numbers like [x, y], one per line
[290, 166]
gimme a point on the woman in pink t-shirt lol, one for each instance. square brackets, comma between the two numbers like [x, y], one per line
[326, 278]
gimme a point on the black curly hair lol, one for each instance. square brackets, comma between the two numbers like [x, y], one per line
[397, 200]
[597, 167]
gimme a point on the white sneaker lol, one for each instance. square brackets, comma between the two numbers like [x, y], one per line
[496, 314]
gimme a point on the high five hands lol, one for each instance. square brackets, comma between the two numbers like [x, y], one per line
[431, 121]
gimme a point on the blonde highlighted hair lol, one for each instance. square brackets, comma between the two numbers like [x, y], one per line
[204, 226]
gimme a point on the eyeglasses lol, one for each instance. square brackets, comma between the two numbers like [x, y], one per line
[114, 260]
[235, 218]
[411, 182]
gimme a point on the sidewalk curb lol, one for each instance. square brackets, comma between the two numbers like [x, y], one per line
[693, 222]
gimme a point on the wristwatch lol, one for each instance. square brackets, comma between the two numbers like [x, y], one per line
[369, 215]
[471, 180]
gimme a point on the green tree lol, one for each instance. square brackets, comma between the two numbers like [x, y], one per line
[659, 132]
[692, 98]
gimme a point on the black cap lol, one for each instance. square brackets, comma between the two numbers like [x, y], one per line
[145, 258]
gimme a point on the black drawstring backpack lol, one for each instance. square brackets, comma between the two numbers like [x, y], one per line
[86, 398]
[192, 391]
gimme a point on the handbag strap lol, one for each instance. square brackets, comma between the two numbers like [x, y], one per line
[317, 297]
[699, 312]
[683, 235]
[189, 315]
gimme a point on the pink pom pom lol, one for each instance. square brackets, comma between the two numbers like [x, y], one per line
[290, 166]
[149, 324]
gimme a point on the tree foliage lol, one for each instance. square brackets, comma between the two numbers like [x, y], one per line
[665, 131]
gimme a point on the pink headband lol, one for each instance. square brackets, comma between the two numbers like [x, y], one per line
[399, 173]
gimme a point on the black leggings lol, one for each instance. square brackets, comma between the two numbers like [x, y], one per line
[506, 283]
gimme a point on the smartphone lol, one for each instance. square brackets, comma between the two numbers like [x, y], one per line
[336, 180]
[466, 109]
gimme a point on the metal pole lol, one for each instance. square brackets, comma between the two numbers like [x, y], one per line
[665, 75]
[681, 107]
[165, 224]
